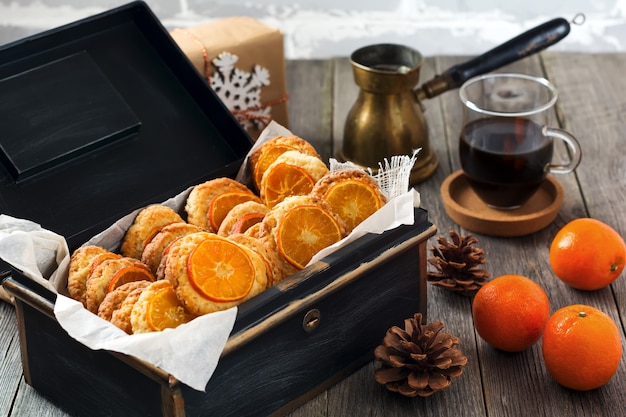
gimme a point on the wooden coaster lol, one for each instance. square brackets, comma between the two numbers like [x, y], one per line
[469, 211]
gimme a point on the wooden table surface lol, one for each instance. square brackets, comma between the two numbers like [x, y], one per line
[592, 105]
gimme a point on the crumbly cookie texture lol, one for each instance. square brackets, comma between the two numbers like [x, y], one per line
[147, 223]
[241, 217]
[153, 252]
[99, 279]
[121, 316]
[113, 300]
[80, 266]
[199, 200]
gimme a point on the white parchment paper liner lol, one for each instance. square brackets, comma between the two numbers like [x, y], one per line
[190, 352]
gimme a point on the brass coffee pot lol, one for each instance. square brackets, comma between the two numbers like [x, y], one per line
[387, 118]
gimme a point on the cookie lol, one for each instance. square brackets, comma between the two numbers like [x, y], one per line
[109, 275]
[153, 252]
[79, 268]
[145, 226]
[114, 299]
[214, 274]
[200, 197]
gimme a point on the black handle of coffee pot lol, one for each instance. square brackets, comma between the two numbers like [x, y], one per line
[526, 44]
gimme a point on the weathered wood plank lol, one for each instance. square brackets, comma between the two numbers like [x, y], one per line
[30, 403]
[309, 83]
[592, 105]
[11, 365]
[515, 382]
[345, 93]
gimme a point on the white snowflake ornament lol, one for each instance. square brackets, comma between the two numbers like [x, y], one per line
[241, 91]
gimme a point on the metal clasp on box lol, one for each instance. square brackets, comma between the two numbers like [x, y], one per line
[311, 320]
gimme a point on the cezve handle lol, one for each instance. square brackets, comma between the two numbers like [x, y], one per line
[526, 44]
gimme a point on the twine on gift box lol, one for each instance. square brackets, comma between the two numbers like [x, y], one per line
[240, 114]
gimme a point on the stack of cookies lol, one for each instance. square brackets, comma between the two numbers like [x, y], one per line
[230, 244]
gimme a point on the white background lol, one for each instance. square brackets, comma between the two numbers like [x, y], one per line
[327, 28]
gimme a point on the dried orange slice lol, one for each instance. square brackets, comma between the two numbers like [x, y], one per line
[304, 231]
[266, 158]
[164, 310]
[241, 217]
[284, 180]
[246, 222]
[101, 258]
[224, 202]
[129, 274]
[220, 270]
[155, 231]
[353, 200]
[265, 155]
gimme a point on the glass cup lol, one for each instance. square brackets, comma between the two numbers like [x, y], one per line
[505, 147]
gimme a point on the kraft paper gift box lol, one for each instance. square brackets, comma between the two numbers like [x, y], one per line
[243, 60]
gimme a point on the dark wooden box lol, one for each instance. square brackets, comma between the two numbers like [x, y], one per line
[167, 132]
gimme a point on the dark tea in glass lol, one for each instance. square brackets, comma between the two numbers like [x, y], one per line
[505, 159]
[505, 146]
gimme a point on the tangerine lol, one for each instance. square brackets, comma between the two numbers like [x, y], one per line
[587, 254]
[581, 347]
[510, 312]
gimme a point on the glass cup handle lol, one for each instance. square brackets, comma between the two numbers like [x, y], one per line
[572, 144]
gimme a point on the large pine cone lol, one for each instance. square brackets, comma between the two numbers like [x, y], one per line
[458, 264]
[419, 360]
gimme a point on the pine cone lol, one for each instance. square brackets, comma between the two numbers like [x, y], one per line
[458, 264]
[419, 360]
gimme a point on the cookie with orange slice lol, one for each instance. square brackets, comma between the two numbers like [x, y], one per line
[214, 273]
[262, 157]
[145, 226]
[121, 315]
[153, 252]
[114, 299]
[241, 217]
[157, 309]
[173, 250]
[353, 194]
[292, 173]
[223, 203]
[84, 262]
[204, 212]
[301, 226]
[275, 269]
[254, 230]
[79, 269]
[111, 274]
